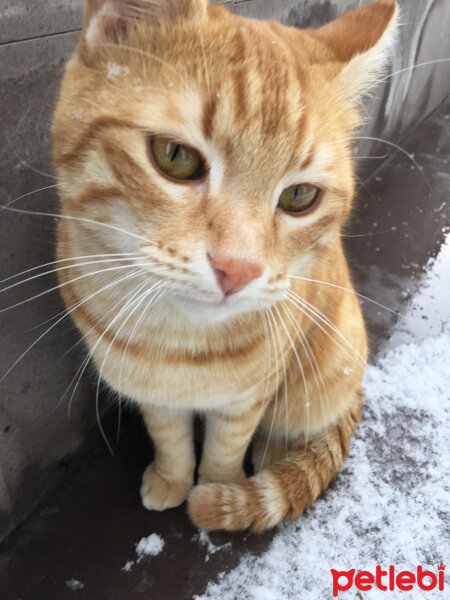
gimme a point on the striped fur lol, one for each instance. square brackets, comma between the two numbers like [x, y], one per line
[280, 362]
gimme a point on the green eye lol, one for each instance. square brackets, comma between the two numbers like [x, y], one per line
[298, 198]
[176, 161]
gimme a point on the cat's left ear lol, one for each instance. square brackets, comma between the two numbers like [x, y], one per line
[361, 42]
[107, 21]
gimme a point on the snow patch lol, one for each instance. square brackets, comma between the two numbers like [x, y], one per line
[114, 70]
[127, 566]
[74, 584]
[77, 114]
[150, 546]
[204, 540]
[430, 306]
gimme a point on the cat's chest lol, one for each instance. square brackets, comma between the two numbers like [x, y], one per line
[161, 369]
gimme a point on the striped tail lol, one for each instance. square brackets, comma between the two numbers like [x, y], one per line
[283, 491]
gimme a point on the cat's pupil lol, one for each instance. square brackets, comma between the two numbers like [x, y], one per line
[175, 154]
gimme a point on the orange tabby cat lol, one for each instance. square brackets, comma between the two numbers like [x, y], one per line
[205, 172]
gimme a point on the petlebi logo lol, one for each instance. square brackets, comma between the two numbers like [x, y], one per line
[388, 580]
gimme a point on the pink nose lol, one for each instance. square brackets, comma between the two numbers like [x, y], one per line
[233, 275]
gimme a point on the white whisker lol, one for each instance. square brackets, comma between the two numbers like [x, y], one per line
[205, 61]
[298, 331]
[136, 325]
[127, 277]
[81, 220]
[66, 314]
[400, 149]
[73, 266]
[91, 353]
[423, 64]
[58, 287]
[138, 303]
[320, 315]
[296, 301]
[70, 258]
[366, 234]
[283, 362]
[43, 189]
[104, 317]
[339, 287]
[276, 391]
[159, 292]
[313, 365]
[267, 356]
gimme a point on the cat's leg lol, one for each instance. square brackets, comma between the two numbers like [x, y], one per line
[167, 481]
[227, 438]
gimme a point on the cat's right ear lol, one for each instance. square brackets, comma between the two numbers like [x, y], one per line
[361, 42]
[106, 21]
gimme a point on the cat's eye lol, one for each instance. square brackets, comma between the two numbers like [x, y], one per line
[176, 161]
[298, 199]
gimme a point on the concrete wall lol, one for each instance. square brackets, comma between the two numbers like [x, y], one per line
[36, 38]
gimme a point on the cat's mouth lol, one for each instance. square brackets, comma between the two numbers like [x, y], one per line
[208, 300]
[214, 307]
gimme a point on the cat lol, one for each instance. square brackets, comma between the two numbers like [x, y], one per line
[204, 165]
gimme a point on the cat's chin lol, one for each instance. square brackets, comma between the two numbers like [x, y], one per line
[225, 309]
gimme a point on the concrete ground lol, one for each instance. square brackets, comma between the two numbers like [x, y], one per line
[79, 540]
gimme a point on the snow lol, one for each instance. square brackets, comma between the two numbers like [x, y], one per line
[204, 540]
[431, 305]
[78, 114]
[390, 504]
[150, 546]
[127, 566]
[147, 546]
[114, 70]
[74, 584]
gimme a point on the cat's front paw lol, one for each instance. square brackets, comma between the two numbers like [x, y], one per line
[158, 493]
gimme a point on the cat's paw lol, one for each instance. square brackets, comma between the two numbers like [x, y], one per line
[158, 493]
[210, 477]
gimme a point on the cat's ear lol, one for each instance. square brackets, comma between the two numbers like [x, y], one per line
[361, 42]
[106, 21]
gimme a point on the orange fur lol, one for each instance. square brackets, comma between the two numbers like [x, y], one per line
[278, 361]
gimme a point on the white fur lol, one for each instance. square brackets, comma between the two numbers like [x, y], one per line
[271, 498]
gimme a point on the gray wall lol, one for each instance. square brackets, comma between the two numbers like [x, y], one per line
[36, 38]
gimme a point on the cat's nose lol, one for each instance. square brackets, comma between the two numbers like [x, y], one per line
[233, 274]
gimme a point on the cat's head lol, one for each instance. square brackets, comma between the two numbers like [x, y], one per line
[216, 148]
